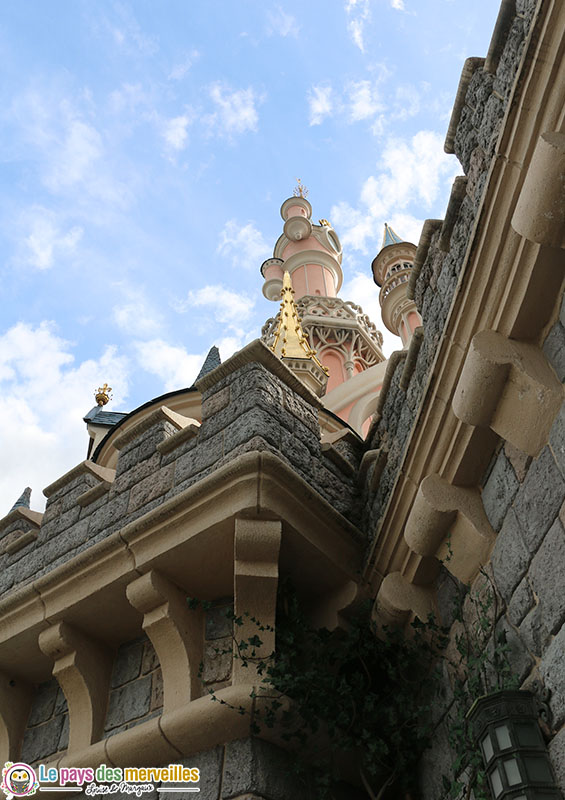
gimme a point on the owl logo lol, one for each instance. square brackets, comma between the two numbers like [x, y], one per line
[18, 780]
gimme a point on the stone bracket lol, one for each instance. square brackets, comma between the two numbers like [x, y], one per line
[508, 386]
[450, 523]
[540, 211]
[256, 576]
[397, 599]
[15, 704]
[176, 632]
[82, 668]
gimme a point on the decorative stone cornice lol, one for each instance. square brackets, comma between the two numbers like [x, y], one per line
[161, 414]
[469, 68]
[84, 468]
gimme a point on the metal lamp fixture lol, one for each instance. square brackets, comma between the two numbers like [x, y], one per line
[505, 727]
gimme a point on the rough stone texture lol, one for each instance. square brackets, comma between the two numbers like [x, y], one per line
[547, 576]
[510, 557]
[127, 664]
[519, 460]
[557, 439]
[217, 660]
[252, 765]
[218, 623]
[42, 740]
[521, 602]
[499, 490]
[557, 756]
[539, 499]
[129, 702]
[554, 349]
[553, 675]
[534, 631]
[210, 765]
[44, 702]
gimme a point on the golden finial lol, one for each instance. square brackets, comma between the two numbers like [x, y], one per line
[300, 190]
[290, 341]
[103, 395]
[326, 223]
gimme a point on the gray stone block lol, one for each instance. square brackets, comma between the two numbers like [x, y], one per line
[557, 756]
[218, 624]
[217, 661]
[58, 524]
[499, 490]
[534, 631]
[129, 702]
[43, 704]
[539, 499]
[42, 741]
[64, 737]
[209, 763]
[205, 455]
[547, 576]
[521, 602]
[552, 671]
[251, 765]
[557, 439]
[108, 517]
[554, 349]
[520, 660]
[510, 556]
[150, 660]
[61, 703]
[127, 664]
[134, 473]
[151, 487]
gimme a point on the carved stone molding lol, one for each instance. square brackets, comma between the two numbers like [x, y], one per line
[176, 632]
[508, 386]
[82, 668]
[398, 599]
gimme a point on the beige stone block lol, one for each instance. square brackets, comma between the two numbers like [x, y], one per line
[398, 599]
[450, 522]
[540, 211]
[508, 386]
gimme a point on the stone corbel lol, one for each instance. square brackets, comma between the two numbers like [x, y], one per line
[450, 523]
[15, 705]
[82, 668]
[398, 599]
[256, 576]
[176, 632]
[540, 211]
[508, 386]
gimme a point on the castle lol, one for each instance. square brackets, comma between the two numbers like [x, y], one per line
[307, 455]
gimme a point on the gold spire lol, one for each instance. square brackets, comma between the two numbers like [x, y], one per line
[300, 190]
[326, 223]
[290, 341]
[103, 395]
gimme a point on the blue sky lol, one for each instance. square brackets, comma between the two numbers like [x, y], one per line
[146, 150]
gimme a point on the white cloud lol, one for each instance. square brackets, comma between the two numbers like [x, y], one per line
[136, 316]
[321, 103]
[410, 171]
[364, 100]
[244, 245]
[176, 368]
[45, 238]
[175, 132]
[282, 23]
[358, 14]
[235, 110]
[226, 306]
[179, 70]
[398, 4]
[76, 157]
[43, 397]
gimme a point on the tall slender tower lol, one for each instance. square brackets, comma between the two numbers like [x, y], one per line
[391, 272]
[344, 339]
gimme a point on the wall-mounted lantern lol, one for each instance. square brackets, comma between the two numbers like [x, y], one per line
[505, 727]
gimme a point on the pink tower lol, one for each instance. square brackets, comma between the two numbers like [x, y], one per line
[347, 343]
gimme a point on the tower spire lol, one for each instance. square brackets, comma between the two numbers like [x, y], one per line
[291, 345]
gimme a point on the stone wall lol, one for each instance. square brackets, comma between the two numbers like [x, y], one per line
[248, 410]
[48, 725]
[477, 132]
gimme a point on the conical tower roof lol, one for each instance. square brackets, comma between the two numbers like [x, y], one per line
[390, 237]
[23, 500]
[211, 361]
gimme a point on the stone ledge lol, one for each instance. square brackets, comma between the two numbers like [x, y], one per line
[93, 494]
[161, 414]
[85, 467]
[18, 540]
[180, 437]
[21, 513]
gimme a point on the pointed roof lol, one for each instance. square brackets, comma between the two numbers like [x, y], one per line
[211, 361]
[290, 341]
[390, 237]
[23, 500]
